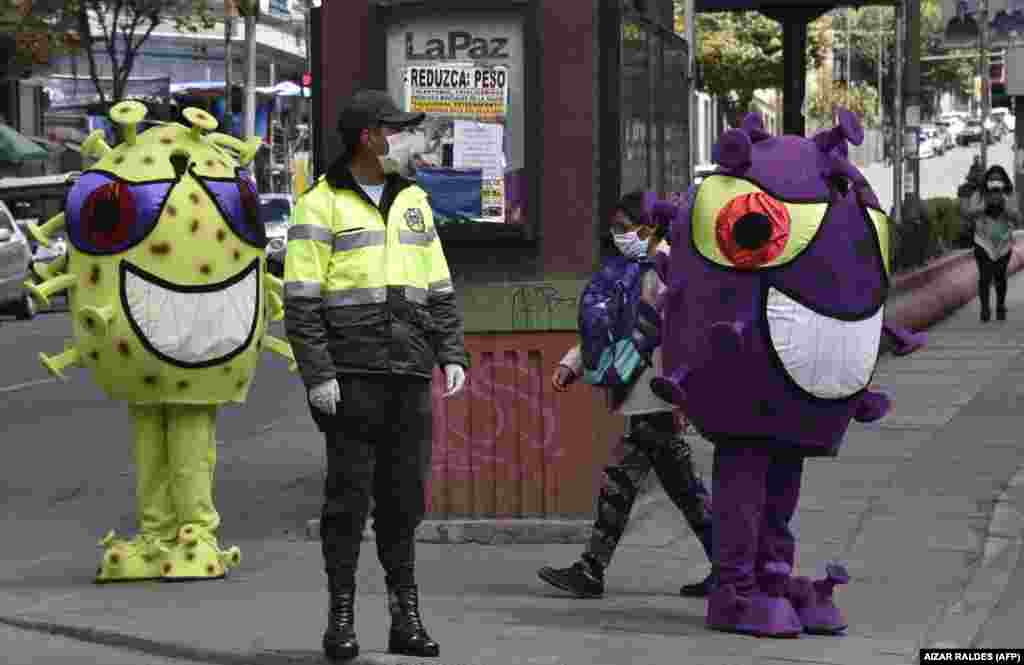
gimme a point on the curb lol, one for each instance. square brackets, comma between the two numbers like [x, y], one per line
[925, 296]
[488, 532]
[962, 621]
[180, 651]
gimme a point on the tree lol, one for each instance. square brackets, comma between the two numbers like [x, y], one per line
[32, 33]
[124, 26]
[740, 52]
[861, 98]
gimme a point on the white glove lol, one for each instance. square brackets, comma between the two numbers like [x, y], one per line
[455, 378]
[325, 397]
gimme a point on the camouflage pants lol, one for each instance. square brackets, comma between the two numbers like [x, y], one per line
[651, 444]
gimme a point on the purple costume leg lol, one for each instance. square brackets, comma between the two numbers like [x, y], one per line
[741, 482]
[777, 544]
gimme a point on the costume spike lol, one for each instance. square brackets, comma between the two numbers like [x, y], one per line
[275, 306]
[128, 115]
[95, 146]
[281, 348]
[42, 292]
[47, 271]
[200, 121]
[96, 319]
[42, 234]
[274, 284]
[57, 364]
[246, 149]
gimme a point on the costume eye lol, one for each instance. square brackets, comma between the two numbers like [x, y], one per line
[108, 215]
[752, 230]
[881, 223]
[736, 224]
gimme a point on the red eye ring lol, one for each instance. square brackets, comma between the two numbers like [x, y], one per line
[752, 230]
[108, 215]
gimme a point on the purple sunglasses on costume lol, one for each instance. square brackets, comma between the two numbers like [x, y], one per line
[105, 214]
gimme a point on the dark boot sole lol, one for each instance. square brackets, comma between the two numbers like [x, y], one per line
[336, 655]
[558, 584]
[399, 651]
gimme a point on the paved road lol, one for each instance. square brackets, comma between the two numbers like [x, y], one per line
[26, 647]
[940, 176]
[68, 451]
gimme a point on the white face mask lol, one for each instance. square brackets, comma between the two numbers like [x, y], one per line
[395, 141]
[630, 244]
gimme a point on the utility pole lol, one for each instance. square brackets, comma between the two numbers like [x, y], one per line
[983, 72]
[897, 133]
[912, 109]
[690, 7]
[230, 12]
[250, 71]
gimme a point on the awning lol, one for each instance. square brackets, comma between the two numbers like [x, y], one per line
[282, 89]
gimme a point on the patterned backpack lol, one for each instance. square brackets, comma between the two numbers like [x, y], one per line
[619, 331]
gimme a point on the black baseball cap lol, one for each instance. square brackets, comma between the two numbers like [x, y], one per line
[372, 108]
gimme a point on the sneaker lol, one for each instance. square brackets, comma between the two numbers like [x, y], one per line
[578, 579]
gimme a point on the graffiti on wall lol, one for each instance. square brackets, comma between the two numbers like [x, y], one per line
[459, 452]
[535, 305]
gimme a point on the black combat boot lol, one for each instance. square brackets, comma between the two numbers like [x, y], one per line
[583, 579]
[340, 636]
[408, 637]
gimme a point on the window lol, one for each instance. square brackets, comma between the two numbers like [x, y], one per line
[654, 99]
[467, 74]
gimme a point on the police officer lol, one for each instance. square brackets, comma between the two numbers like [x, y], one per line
[369, 311]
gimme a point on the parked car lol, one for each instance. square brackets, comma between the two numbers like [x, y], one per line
[953, 126]
[930, 134]
[15, 268]
[925, 144]
[994, 130]
[972, 132]
[703, 171]
[275, 212]
[1003, 115]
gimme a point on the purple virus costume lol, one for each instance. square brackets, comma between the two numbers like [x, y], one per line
[773, 319]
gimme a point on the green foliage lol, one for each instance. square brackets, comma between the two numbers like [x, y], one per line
[32, 33]
[861, 98]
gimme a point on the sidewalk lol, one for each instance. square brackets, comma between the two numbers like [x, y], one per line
[924, 507]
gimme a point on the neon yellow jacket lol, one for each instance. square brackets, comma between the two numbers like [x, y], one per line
[367, 289]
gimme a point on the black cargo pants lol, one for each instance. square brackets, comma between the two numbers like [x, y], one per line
[378, 443]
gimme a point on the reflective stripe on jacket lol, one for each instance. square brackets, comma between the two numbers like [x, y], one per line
[367, 289]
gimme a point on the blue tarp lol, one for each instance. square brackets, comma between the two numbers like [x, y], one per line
[453, 193]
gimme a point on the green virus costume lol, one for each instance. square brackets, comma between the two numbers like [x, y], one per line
[170, 301]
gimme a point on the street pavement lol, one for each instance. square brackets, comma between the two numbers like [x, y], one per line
[924, 507]
[940, 176]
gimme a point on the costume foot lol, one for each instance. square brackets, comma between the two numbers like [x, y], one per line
[814, 602]
[136, 560]
[578, 579]
[700, 589]
[756, 614]
[197, 556]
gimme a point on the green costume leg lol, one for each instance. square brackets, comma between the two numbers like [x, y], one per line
[191, 432]
[143, 557]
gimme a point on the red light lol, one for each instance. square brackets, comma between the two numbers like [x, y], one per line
[307, 80]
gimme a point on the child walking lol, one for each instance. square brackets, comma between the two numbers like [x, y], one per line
[653, 437]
